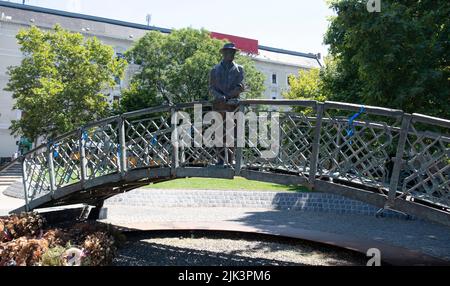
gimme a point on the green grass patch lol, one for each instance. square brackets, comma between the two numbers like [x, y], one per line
[238, 184]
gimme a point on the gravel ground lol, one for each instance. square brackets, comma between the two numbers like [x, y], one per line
[228, 249]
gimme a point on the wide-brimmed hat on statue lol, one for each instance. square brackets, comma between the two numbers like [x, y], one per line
[229, 46]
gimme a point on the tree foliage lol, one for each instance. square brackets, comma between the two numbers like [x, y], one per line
[175, 68]
[398, 58]
[307, 85]
[61, 81]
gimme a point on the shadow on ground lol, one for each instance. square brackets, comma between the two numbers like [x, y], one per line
[418, 235]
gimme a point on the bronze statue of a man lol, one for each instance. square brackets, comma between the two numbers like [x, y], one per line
[226, 83]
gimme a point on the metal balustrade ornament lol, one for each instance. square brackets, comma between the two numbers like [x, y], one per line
[382, 156]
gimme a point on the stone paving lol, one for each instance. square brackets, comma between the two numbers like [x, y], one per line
[313, 202]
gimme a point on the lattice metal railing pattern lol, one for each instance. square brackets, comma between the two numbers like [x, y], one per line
[407, 156]
[200, 153]
[148, 142]
[360, 152]
[101, 149]
[296, 131]
[426, 171]
[66, 161]
[36, 174]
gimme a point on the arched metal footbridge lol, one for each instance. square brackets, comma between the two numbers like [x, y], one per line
[384, 157]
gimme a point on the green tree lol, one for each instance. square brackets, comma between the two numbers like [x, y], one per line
[175, 68]
[61, 81]
[398, 58]
[307, 85]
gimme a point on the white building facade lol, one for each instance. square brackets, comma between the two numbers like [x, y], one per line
[276, 64]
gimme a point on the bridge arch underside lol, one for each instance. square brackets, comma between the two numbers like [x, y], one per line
[384, 157]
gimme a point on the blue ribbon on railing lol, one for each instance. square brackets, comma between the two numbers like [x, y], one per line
[351, 127]
[53, 146]
[55, 154]
[154, 141]
[119, 151]
[84, 136]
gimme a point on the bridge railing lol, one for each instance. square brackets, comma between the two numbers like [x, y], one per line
[36, 174]
[423, 174]
[358, 151]
[297, 133]
[405, 157]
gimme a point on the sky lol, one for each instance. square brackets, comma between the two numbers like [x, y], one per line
[297, 25]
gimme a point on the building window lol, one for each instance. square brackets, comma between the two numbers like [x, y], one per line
[120, 52]
[120, 55]
[274, 78]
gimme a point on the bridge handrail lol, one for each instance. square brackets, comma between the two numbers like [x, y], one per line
[367, 108]
[432, 120]
[306, 103]
[280, 102]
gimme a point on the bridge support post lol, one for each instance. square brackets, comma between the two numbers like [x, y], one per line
[398, 161]
[24, 180]
[123, 147]
[240, 142]
[51, 168]
[83, 161]
[175, 144]
[316, 145]
[94, 213]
